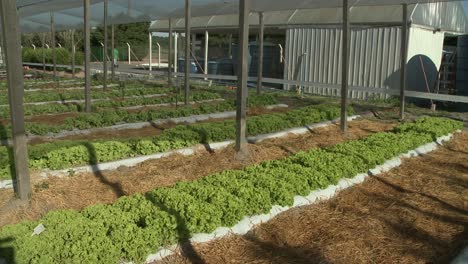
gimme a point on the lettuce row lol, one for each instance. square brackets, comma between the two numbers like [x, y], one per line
[135, 226]
[67, 154]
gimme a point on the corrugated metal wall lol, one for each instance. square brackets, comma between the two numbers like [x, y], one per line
[374, 58]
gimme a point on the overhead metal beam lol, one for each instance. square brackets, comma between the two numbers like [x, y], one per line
[169, 57]
[188, 24]
[87, 49]
[241, 104]
[404, 56]
[54, 51]
[14, 68]
[260, 52]
[106, 6]
[345, 68]
[112, 53]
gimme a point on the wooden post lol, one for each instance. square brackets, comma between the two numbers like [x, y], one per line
[54, 51]
[106, 6]
[241, 125]
[260, 53]
[169, 57]
[14, 67]
[404, 56]
[345, 69]
[187, 49]
[113, 48]
[87, 48]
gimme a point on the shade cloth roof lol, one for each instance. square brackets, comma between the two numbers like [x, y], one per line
[447, 16]
[35, 14]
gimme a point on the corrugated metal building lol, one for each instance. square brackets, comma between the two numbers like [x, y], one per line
[313, 43]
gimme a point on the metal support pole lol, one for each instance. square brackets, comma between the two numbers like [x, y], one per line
[12, 46]
[169, 57]
[159, 54]
[241, 125]
[187, 49]
[207, 39]
[87, 48]
[54, 51]
[104, 65]
[345, 68]
[176, 52]
[230, 46]
[43, 52]
[260, 53]
[404, 56]
[113, 50]
[129, 54]
[73, 52]
[150, 41]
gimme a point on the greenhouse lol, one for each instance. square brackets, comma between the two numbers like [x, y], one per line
[234, 131]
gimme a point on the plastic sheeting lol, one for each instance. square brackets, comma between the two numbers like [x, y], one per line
[35, 15]
[446, 16]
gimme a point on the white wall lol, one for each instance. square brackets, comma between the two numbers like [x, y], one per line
[424, 41]
[424, 45]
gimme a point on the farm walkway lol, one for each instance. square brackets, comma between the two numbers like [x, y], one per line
[417, 213]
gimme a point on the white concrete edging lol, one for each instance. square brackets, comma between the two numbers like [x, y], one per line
[131, 162]
[67, 88]
[93, 100]
[248, 223]
[139, 125]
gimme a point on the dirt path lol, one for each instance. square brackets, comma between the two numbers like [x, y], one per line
[417, 213]
[83, 190]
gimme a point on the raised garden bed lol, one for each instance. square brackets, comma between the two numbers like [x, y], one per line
[134, 227]
[66, 154]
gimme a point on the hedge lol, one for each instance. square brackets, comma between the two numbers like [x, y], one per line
[63, 56]
[66, 154]
[136, 226]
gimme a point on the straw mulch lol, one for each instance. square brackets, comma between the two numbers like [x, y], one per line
[83, 190]
[417, 213]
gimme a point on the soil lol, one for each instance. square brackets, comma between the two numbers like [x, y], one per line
[416, 213]
[82, 190]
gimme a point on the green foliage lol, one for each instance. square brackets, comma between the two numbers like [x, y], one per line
[135, 226]
[66, 95]
[108, 116]
[65, 154]
[63, 56]
[136, 34]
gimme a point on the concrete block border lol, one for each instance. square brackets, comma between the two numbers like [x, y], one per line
[132, 162]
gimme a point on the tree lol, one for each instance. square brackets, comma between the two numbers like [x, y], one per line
[136, 34]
